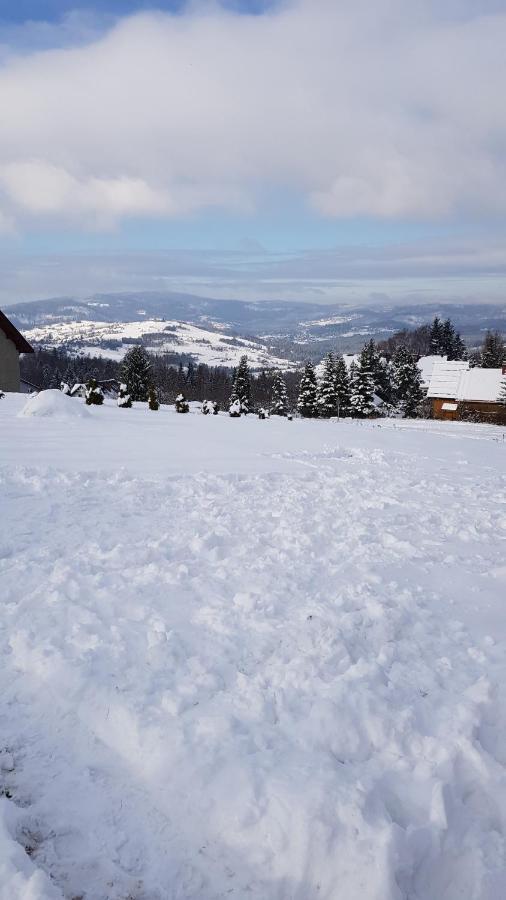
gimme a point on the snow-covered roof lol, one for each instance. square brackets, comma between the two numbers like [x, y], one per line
[426, 366]
[456, 381]
[445, 378]
[480, 384]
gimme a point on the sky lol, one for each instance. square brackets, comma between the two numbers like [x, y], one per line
[320, 150]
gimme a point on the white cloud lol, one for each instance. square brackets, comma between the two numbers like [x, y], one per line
[387, 109]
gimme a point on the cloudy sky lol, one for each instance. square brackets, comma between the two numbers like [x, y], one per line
[306, 149]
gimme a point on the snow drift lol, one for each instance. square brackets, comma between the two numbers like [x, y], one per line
[53, 403]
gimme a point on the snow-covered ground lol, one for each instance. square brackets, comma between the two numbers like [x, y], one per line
[252, 659]
[210, 346]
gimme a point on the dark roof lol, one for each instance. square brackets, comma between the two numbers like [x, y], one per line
[12, 332]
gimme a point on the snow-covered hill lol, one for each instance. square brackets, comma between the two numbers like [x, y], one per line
[263, 660]
[213, 346]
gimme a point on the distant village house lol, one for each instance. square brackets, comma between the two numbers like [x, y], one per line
[12, 343]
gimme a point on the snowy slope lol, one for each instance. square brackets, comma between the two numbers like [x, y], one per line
[259, 660]
[113, 339]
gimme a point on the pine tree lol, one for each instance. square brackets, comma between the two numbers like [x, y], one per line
[362, 391]
[493, 353]
[459, 350]
[447, 338]
[210, 408]
[124, 398]
[436, 337]
[182, 405]
[307, 403]
[153, 401]
[65, 388]
[502, 393]
[371, 358]
[279, 396]
[94, 395]
[342, 387]
[327, 389]
[407, 383]
[241, 389]
[235, 409]
[135, 373]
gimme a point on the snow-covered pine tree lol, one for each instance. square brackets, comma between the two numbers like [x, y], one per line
[447, 338]
[235, 409]
[135, 372]
[206, 407]
[361, 390]
[372, 359]
[94, 395]
[327, 389]
[241, 389]
[263, 413]
[407, 383]
[307, 404]
[65, 388]
[279, 396]
[153, 401]
[459, 349]
[342, 386]
[493, 352]
[436, 337]
[124, 399]
[182, 405]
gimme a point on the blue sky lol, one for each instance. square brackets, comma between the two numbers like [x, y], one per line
[52, 10]
[312, 127]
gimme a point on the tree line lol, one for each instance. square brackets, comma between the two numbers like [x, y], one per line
[384, 379]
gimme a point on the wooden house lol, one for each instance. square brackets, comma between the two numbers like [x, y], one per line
[12, 343]
[460, 393]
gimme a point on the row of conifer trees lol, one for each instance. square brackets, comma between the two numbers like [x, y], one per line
[371, 383]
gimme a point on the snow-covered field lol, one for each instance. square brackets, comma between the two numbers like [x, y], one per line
[213, 347]
[255, 660]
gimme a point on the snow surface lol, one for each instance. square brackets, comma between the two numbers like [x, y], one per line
[52, 403]
[205, 345]
[480, 384]
[445, 378]
[258, 660]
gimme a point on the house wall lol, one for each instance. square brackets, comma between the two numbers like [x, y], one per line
[9, 364]
[485, 412]
[470, 410]
[439, 413]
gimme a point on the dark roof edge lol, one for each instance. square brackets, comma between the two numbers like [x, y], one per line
[12, 332]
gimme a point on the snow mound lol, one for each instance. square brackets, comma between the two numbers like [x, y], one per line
[18, 876]
[53, 403]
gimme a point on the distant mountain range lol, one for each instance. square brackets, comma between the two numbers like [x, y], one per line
[219, 331]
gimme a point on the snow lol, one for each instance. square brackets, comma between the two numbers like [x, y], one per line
[458, 381]
[205, 345]
[480, 385]
[260, 660]
[445, 378]
[19, 879]
[52, 403]
[426, 366]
